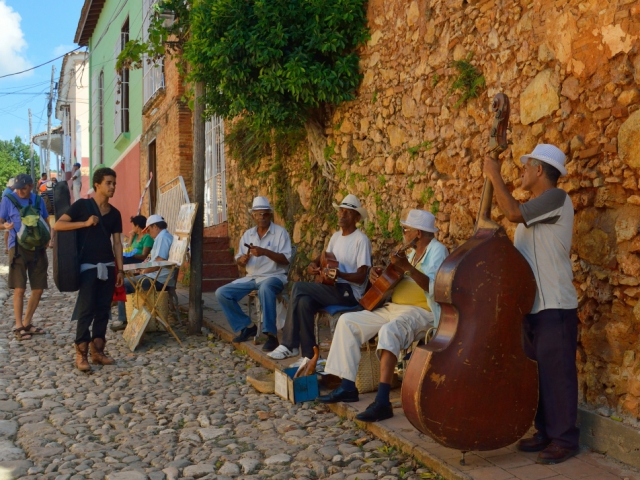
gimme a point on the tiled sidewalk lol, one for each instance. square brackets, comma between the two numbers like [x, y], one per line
[502, 464]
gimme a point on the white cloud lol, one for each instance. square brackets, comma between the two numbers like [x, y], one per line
[12, 42]
[62, 49]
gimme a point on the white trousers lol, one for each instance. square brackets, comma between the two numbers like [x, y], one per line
[76, 192]
[397, 326]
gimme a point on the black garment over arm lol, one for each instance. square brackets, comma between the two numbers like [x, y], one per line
[97, 242]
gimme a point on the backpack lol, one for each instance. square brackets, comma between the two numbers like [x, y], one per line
[33, 233]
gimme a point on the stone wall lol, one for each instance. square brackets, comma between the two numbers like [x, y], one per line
[571, 70]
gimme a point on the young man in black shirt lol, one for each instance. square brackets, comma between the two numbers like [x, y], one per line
[99, 228]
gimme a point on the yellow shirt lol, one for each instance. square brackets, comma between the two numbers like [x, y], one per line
[408, 292]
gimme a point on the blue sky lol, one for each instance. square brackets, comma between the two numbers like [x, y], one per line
[32, 32]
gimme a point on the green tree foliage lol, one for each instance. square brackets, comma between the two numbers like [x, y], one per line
[274, 60]
[14, 159]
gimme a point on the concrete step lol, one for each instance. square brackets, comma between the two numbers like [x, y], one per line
[216, 270]
[216, 243]
[218, 256]
[211, 285]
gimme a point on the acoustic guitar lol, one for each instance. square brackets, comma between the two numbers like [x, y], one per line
[381, 290]
[328, 269]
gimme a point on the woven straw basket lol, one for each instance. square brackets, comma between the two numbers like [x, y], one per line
[368, 377]
[133, 301]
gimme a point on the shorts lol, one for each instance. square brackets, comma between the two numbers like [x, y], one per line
[24, 264]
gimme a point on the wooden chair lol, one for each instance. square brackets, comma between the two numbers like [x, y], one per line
[177, 254]
[283, 297]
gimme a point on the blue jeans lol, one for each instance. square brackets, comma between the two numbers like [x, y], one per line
[230, 294]
[146, 285]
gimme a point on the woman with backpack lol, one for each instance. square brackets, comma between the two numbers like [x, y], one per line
[23, 215]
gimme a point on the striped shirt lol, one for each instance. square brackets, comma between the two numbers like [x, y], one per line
[545, 241]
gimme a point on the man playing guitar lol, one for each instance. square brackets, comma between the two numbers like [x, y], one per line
[411, 312]
[352, 250]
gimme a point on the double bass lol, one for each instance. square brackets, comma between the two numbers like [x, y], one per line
[472, 387]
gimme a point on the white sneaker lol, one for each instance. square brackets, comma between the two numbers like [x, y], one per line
[283, 352]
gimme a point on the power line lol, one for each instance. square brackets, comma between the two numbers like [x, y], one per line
[38, 66]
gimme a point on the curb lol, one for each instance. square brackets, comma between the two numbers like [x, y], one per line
[377, 429]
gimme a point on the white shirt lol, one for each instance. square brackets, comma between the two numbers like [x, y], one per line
[259, 268]
[352, 252]
[545, 241]
[77, 181]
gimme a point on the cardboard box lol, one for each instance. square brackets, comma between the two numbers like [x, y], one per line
[302, 389]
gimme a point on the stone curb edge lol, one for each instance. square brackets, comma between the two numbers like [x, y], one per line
[377, 429]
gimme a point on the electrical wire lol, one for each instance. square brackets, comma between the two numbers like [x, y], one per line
[38, 66]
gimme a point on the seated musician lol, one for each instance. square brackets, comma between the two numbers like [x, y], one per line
[266, 260]
[411, 312]
[352, 249]
[162, 241]
[543, 236]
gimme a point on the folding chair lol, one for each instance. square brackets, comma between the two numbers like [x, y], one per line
[253, 302]
[177, 255]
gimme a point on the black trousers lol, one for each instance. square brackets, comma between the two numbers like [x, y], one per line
[550, 338]
[94, 304]
[306, 300]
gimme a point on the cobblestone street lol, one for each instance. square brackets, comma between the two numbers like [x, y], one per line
[162, 412]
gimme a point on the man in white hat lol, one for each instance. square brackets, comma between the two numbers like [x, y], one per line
[352, 250]
[162, 241]
[407, 318]
[264, 251]
[543, 236]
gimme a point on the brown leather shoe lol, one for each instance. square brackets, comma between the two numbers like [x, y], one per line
[555, 454]
[82, 350]
[97, 353]
[534, 444]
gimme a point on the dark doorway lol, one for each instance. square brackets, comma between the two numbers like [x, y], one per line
[153, 186]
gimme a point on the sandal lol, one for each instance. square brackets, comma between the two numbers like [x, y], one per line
[21, 334]
[33, 330]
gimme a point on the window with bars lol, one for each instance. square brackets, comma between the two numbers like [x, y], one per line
[215, 186]
[121, 88]
[152, 72]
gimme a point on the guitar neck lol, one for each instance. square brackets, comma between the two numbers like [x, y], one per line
[483, 220]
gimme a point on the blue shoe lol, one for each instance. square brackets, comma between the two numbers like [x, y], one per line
[339, 395]
[375, 412]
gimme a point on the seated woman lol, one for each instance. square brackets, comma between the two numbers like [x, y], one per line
[141, 245]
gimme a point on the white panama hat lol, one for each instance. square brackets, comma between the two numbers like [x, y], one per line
[421, 220]
[548, 154]
[260, 203]
[351, 202]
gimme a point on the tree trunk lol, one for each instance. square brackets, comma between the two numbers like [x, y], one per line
[195, 286]
[318, 143]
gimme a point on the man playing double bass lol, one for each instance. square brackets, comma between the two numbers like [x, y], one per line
[543, 236]
[352, 250]
[398, 324]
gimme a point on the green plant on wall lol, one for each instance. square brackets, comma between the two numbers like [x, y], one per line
[413, 151]
[469, 81]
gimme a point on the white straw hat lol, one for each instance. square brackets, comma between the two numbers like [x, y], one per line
[351, 202]
[260, 203]
[548, 154]
[421, 220]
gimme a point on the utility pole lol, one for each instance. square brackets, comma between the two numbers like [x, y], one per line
[49, 108]
[195, 285]
[33, 168]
